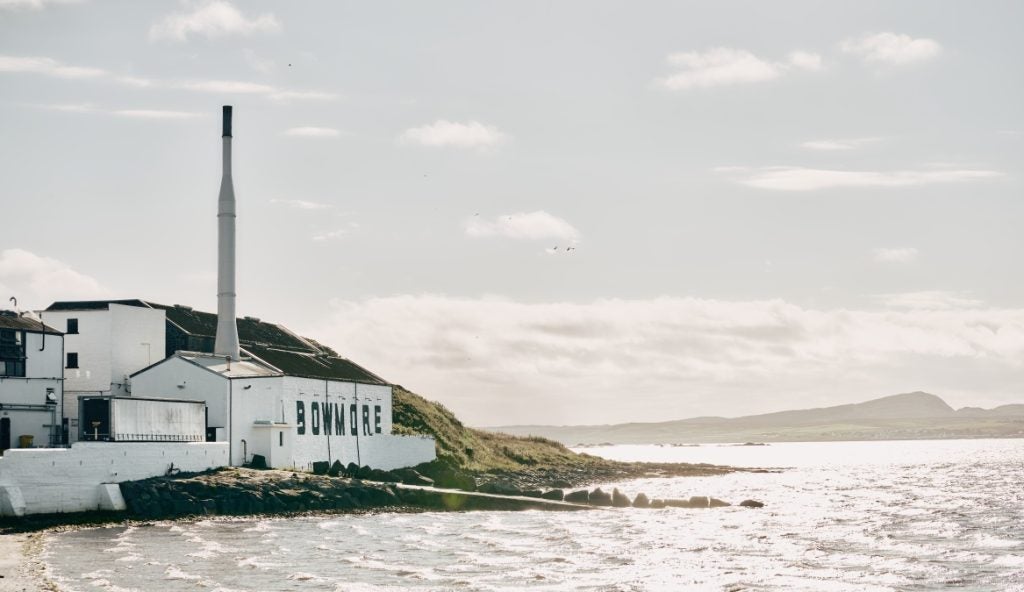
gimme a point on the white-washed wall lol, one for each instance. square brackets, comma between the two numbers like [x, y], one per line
[91, 343]
[39, 481]
[131, 327]
[43, 370]
[176, 378]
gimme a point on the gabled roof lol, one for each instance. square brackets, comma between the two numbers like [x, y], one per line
[313, 365]
[93, 304]
[272, 344]
[250, 329]
[14, 321]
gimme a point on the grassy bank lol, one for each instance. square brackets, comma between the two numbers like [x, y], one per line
[530, 461]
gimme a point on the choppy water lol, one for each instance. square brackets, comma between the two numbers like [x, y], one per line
[925, 515]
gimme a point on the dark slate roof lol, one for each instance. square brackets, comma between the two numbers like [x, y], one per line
[250, 330]
[272, 343]
[12, 321]
[93, 304]
[313, 365]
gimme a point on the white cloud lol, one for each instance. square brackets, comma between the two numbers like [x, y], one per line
[154, 114]
[302, 95]
[892, 48]
[47, 67]
[32, 4]
[718, 66]
[131, 113]
[929, 300]
[896, 255]
[227, 87]
[337, 233]
[312, 132]
[472, 134]
[528, 226]
[51, 67]
[726, 66]
[805, 60]
[37, 281]
[261, 65]
[839, 144]
[302, 204]
[806, 179]
[498, 361]
[213, 19]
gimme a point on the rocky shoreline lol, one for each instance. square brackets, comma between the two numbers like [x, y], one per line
[435, 486]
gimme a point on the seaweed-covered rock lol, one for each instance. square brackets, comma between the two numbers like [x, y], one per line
[641, 501]
[619, 499]
[600, 498]
[578, 497]
[553, 494]
[752, 504]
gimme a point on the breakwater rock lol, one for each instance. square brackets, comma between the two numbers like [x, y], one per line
[237, 492]
[241, 492]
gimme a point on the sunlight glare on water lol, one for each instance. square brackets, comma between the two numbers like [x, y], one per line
[920, 515]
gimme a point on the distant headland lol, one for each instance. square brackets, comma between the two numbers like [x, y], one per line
[908, 416]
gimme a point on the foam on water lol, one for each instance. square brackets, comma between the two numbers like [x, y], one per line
[880, 516]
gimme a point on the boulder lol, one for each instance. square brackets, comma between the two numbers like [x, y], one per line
[258, 462]
[412, 477]
[500, 487]
[714, 502]
[553, 494]
[351, 469]
[641, 501]
[336, 469]
[658, 504]
[533, 493]
[578, 497]
[383, 476]
[600, 498]
[752, 504]
[619, 499]
[321, 467]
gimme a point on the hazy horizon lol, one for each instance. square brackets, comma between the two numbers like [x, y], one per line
[537, 213]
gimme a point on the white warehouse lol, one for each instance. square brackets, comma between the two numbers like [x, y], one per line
[31, 382]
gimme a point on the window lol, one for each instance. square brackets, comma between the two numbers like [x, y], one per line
[72, 327]
[12, 353]
[72, 360]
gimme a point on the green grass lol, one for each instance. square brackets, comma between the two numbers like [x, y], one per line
[477, 450]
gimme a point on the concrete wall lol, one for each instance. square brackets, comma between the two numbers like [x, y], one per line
[39, 481]
[43, 370]
[137, 340]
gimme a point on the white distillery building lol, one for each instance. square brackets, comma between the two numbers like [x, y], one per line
[292, 407]
[31, 382]
[104, 343]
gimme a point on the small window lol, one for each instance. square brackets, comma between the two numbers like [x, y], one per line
[72, 326]
[72, 360]
[280, 438]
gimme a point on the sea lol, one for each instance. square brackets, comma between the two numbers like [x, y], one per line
[857, 516]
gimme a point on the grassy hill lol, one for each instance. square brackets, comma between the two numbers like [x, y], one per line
[907, 416]
[478, 450]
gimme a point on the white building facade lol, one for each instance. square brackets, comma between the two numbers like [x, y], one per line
[292, 421]
[104, 343]
[31, 382]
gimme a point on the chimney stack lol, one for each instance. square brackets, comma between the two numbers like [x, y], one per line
[226, 343]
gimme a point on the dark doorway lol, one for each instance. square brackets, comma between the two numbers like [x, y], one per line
[5, 433]
[95, 419]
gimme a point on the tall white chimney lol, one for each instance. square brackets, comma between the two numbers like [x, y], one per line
[226, 343]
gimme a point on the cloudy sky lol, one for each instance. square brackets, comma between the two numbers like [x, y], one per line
[545, 212]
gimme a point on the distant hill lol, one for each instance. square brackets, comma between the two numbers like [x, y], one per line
[908, 416]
